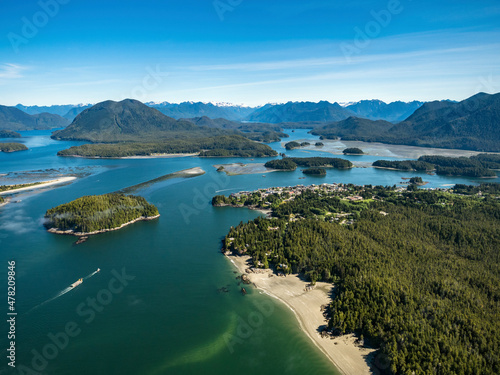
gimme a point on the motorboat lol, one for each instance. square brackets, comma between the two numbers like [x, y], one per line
[76, 283]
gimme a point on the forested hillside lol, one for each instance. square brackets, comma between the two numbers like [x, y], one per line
[417, 274]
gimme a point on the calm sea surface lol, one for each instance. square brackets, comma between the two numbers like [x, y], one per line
[155, 307]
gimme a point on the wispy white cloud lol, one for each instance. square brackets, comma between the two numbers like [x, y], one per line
[338, 61]
[11, 71]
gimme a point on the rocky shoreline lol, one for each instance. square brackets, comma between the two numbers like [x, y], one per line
[71, 232]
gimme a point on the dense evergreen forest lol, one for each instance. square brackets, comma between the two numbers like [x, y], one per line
[212, 146]
[284, 164]
[98, 212]
[9, 134]
[474, 166]
[322, 162]
[353, 151]
[417, 273]
[404, 165]
[291, 145]
[315, 171]
[12, 147]
[292, 163]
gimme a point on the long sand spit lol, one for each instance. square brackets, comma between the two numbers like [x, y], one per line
[348, 358]
[39, 186]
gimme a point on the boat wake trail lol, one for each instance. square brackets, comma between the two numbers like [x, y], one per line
[219, 191]
[90, 275]
[60, 294]
[64, 291]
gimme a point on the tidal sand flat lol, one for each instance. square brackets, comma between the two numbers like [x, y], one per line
[306, 304]
[240, 168]
[388, 150]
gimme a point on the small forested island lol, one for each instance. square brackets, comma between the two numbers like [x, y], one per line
[9, 134]
[291, 164]
[353, 151]
[315, 171]
[98, 213]
[282, 164]
[416, 180]
[291, 145]
[480, 165]
[12, 147]
[416, 273]
[319, 144]
[227, 146]
[304, 144]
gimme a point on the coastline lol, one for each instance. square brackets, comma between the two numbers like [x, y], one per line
[263, 211]
[71, 232]
[153, 156]
[42, 185]
[343, 352]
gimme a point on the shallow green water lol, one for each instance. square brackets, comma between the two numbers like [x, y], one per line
[169, 317]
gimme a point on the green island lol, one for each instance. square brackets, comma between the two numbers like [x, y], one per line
[291, 164]
[2, 199]
[353, 151]
[9, 134]
[480, 165]
[315, 171]
[291, 145]
[211, 146]
[12, 147]
[416, 273]
[319, 144]
[416, 180]
[98, 213]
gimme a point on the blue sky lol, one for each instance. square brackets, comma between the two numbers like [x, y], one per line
[247, 51]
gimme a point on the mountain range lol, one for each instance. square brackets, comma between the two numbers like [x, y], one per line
[199, 109]
[379, 110]
[471, 124]
[12, 118]
[269, 113]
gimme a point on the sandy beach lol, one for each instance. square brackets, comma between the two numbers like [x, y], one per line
[348, 358]
[191, 171]
[39, 186]
[158, 156]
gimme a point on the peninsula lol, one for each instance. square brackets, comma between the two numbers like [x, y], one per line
[403, 263]
[95, 214]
